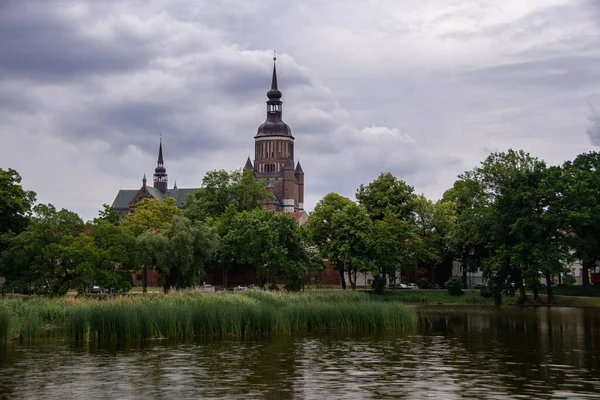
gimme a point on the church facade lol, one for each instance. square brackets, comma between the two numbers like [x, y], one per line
[273, 163]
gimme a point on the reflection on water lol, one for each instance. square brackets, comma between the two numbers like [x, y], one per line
[457, 352]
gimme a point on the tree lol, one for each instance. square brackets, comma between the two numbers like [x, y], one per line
[524, 234]
[108, 214]
[221, 189]
[395, 243]
[352, 240]
[270, 243]
[151, 214]
[467, 238]
[581, 205]
[179, 253]
[151, 252]
[15, 202]
[434, 222]
[37, 255]
[386, 194]
[321, 230]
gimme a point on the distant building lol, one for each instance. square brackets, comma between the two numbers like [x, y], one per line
[274, 157]
[273, 162]
[127, 199]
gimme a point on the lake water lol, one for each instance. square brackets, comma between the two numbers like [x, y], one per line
[457, 352]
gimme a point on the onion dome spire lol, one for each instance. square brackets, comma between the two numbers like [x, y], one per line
[274, 125]
[274, 93]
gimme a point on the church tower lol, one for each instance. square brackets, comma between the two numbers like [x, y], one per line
[274, 155]
[160, 172]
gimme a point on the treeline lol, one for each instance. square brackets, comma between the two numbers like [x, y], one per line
[221, 226]
[512, 217]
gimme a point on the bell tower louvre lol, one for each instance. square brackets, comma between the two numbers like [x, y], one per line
[274, 156]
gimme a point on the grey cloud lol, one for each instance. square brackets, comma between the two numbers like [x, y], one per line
[564, 73]
[593, 132]
[37, 43]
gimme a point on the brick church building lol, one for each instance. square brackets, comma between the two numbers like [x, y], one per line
[274, 157]
[273, 162]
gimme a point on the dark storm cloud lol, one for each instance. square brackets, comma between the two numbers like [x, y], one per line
[36, 42]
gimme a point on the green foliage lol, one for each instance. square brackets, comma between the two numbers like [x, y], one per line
[270, 243]
[15, 202]
[180, 252]
[386, 194]
[151, 214]
[108, 214]
[221, 189]
[454, 285]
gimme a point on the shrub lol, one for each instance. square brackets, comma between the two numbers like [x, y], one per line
[485, 292]
[454, 285]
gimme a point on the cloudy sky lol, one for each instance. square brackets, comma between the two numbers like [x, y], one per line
[425, 89]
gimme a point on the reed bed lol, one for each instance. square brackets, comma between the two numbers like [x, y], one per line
[189, 313]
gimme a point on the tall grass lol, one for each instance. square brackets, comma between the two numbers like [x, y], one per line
[186, 314]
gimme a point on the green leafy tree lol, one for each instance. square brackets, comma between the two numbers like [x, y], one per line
[179, 253]
[467, 238]
[434, 222]
[581, 205]
[395, 243]
[152, 214]
[152, 250]
[521, 221]
[108, 214]
[320, 229]
[221, 189]
[352, 242]
[386, 194]
[270, 243]
[36, 256]
[15, 202]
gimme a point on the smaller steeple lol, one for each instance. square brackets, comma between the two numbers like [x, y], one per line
[175, 186]
[299, 169]
[289, 165]
[160, 172]
[160, 156]
[248, 165]
[144, 180]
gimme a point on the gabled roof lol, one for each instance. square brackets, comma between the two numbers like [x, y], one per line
[125, 196]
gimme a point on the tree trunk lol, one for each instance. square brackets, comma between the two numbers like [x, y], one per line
[342, 277]
[464, 271]
[549, 288]
[354, 287]
[585, 276]
[352, 284]
[498, 299]
[225, 277]
[536, 294]
[518, 281]
[145, 279]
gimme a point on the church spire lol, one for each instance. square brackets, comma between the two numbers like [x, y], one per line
[274, 94]
[160, 156]
[160, 172]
